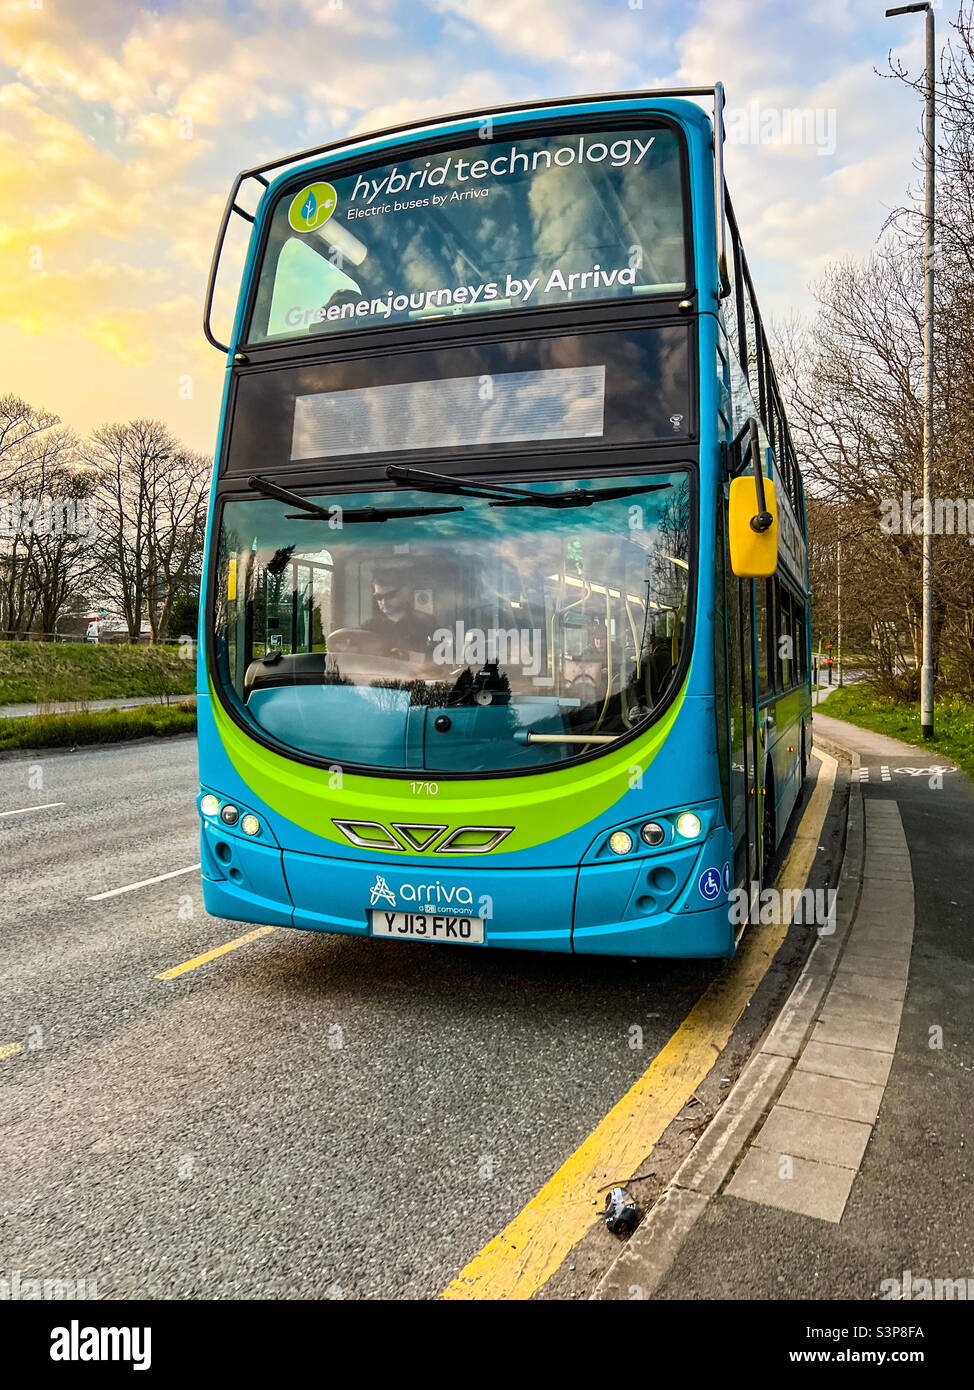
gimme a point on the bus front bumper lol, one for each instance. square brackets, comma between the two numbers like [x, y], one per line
[663, 906]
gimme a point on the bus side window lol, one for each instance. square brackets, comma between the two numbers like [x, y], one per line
[764, 604]
[786, 639]
[798, 629]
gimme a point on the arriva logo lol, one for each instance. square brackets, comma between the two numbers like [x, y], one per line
[312, 207]
[437, 893]
[381, 889]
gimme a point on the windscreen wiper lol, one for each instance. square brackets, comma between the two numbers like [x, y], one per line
[507, 496]
[338, 513]
[347, 514]
[579, 496]
[424, 481]
[284, 494]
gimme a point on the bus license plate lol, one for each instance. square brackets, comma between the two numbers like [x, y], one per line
[423, 926]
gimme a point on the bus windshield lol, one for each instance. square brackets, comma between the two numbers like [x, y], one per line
[440, 632]
[501, 224]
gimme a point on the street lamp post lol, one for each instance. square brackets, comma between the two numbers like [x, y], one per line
[838, 578]
[926, 670]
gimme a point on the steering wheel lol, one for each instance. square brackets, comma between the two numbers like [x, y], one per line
[351, 639]
[585, 688]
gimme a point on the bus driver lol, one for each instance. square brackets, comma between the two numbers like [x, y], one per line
[404, 630]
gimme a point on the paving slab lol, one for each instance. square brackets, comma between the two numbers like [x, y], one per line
[833, 1095]
[889, 965]
[794, 1184]
[879, 1037]
[851, 1063]
[874, 986]
[824, 1138]
[841, 1005]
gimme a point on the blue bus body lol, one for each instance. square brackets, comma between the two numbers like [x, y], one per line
[553, 882]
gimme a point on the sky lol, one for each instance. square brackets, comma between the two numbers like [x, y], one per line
[122, 127]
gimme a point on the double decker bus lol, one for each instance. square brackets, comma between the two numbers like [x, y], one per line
[505, 635]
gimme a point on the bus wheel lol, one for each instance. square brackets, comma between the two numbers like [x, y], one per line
[768, 837]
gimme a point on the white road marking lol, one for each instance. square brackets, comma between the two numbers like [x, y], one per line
[144, 883]
[885, 773]
[25, 810]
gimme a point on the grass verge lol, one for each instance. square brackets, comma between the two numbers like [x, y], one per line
[59, 671]
[108, 726]
[953, 721]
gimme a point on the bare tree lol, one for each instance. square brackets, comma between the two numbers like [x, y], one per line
[64, 561]
[151, 496]
[20, 424]
[854, 378]
[43, 545]
[178, 526]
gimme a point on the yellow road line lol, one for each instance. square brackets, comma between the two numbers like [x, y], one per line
[10, 1050]
[516, 1263]
[212, 955]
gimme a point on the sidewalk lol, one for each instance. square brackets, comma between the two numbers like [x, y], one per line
[88, 706]
[825, 688]
[843, 1159]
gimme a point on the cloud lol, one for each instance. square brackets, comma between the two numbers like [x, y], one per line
[597, 44]
[800, 206]
[122, 125]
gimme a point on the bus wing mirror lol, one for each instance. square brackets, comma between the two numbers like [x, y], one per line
[752, 514]
[752, 528]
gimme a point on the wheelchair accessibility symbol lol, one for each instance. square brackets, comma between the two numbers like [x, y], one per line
[710, 884]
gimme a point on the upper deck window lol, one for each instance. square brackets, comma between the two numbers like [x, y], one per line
[520, 223]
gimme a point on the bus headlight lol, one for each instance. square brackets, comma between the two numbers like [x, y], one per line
[250, 825]
[620, 842]
[653, 833]
[229, 815]
[210, 804]
[688, 825]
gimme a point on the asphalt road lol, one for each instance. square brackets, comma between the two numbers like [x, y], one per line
[306, 1116]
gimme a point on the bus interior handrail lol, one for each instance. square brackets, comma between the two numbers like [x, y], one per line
[716, 91]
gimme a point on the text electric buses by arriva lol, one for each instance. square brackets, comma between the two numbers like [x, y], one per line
[505, 633]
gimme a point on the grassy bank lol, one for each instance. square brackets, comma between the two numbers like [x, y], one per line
[953, 721]
[108, 726]
[55, 671]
